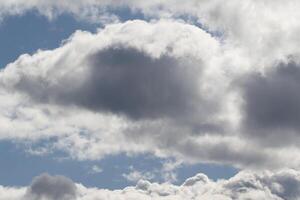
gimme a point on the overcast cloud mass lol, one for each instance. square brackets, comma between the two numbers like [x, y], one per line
[199, 81]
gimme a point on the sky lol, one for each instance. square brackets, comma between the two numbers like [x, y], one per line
[149, 100]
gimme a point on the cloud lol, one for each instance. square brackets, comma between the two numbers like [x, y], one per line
[167, 173]
[265, 185]
[163, 87]
[123, 80]
[224, 91]
[95, 169]
[88, 11]
[272, 104]
[51, 188]
[135, 176]
[124, 83]
[243, 24]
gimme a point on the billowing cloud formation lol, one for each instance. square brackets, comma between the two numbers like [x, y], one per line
[163, 87]
[134, 86]
[216, 94]
[51, 187]
[281, 185]
[224, 90]
[123, 80]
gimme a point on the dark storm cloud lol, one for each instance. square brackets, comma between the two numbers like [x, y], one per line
[51, 188]
[127, 81]
[272, 101]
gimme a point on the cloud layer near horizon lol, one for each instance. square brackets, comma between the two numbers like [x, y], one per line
[245, 185]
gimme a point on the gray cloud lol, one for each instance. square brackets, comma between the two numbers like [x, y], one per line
[51, 188]
[284, 184]
[290, 181]
[272, 105]
[127, 81]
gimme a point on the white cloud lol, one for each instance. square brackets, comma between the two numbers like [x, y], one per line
[266, 185]
[96, 169]
[84, 10]
[135, 176]
[87, 95]
[164, 87]
[168, 88]
[262, 30]
[44, 95]
[166, 173]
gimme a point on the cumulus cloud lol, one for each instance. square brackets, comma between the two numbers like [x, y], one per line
[51, 187]
[125, 81]
[164, 86]
[265, 185]
[272, 104]
[224, 90]
[123, 86]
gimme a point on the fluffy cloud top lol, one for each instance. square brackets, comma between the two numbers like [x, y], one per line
[226, 94]
[51, 187]
[163, 87]
[245, 185]
[138, 81]
[224, 91]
